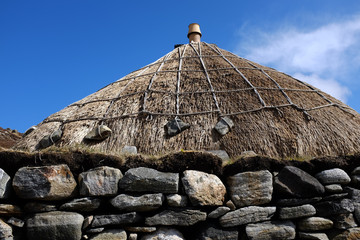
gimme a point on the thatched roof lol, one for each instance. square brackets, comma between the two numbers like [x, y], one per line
[274, 114]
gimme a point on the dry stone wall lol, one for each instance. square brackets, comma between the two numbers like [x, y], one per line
[48, 202]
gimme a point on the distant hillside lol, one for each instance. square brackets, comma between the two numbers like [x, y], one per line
[9, 137]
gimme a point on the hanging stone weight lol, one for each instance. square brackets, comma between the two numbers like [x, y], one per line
[176, 126]
[49, 140]
[99, 133]
[224, 125]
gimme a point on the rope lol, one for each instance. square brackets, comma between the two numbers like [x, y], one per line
[119, 94]
[241, 74]
[152, 80]
[177, 114]
[207, 76]
[177, 123]
[184, 93]
[178, 79]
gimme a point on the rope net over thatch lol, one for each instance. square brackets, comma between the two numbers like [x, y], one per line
[273, 114]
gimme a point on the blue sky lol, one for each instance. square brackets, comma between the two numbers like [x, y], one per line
[53, 53]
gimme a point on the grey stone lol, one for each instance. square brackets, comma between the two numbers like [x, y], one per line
[87, 222]
[140, 229]
[313, 236]
[164, 234]
[100, 181]
[149, 180]
[95, 230]
[142, 203]
[16, 222]
[51, 139]
[335, 196]
[220, 211]
[294, 182]
[129, 150]
[203, 189]
[274, 230]
[291, 202]
[178, 218]
[344, 221]
[37, 207]
[333, 176]
[356, 171]
[55, 225]
[297, 212]
[329, 208]
[5, 231]
[221, 154]
[333, 188]
[115, 219]
[247, 215]
[5, 184]
[10, 210]
[214, 233]
[354, 194]
[99, 133]
[44, 183]
[224, 125]
[111, 234]
[349, 234]
[176, 200]
[176, 126]
[230, 205]
[355, 180]
[81, 205]
[251, 188]
[357, 211]
[133, 236]
[314, 224]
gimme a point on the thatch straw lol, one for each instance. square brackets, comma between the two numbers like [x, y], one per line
[274, 114]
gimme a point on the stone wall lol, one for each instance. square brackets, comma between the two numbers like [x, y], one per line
[48, 202]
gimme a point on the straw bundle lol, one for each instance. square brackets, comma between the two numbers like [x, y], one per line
[273, 114]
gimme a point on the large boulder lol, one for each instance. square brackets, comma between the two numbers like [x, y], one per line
[100, 181]
[349, 234]
[215, 233]
[44, 183]
[294, 182]
[142, 203]
[5, 231]
[111, 234]
[328, 208]
[247, 215]
[306, 210]
[203, 189]
[5, 184]
[164, 234]
[81, 205]
[55, 226]
[333, 176]
[314, 224]
[251, 188]
[115, 219]
[149, 180]
[281, 230]
[10, 210]
[178, 218]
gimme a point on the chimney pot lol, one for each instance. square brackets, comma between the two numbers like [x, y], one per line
[194, 33]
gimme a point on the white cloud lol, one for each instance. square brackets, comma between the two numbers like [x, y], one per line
[318, 56]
